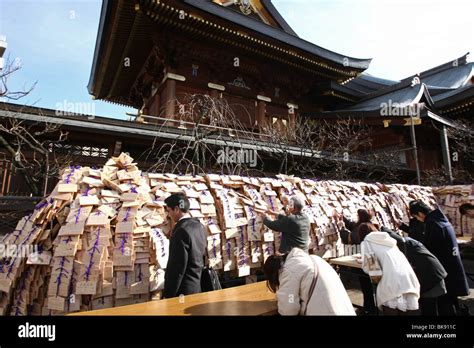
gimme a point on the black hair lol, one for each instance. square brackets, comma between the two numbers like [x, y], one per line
[178, 200]
[364, 229]
[465, 207]
[363, 215]
[272, 268]
[419, 207]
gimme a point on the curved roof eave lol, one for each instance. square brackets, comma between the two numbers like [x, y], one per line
[268, 5]
[403, 97]
[105, 11]
[453, 96]
[279, 35]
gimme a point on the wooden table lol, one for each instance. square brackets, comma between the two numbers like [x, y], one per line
[252, 299]
[463, 239]
[347, 261]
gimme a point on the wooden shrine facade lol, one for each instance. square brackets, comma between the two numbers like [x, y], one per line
[244, 52]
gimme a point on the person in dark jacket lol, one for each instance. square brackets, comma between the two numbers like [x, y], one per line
[294, 227]
[415, 229]
[429, 271]
[467, 209]
[187, 249]
[440, 239]
[351, 232]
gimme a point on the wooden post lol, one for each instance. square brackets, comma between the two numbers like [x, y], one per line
[170, 98]
[261, 115]
[292, 114]
[155, 106]
[216, 89]
[292, 119]
[214, 93]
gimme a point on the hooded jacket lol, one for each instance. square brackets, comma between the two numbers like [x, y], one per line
[398, 276]
[440, 239]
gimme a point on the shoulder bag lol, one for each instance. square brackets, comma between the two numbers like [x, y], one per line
[209, 278]
[373, 264]
[313, 284]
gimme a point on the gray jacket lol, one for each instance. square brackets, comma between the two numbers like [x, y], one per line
[294, 230]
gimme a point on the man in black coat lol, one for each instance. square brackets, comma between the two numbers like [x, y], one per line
[187, 249]
[415, 229]
[429, 271]
[440, 239]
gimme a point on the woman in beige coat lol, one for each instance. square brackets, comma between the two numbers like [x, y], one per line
[306, 285]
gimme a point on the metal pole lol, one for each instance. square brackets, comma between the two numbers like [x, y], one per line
[445, 149]
[415, 150]
[45, 189]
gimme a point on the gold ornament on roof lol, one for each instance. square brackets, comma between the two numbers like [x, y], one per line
[245, 6]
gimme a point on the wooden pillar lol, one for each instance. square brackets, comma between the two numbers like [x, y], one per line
[261, 115]
[214, 94]
[170, 98]
[262, 118]
[154, 108]
[215, 89]
[292, 110]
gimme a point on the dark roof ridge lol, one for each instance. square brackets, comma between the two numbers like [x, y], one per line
[437, 69]
[280, 35]
[272, 10]
[408, 80]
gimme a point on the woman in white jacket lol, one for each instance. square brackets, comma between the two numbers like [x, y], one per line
[398, 290]
[293, 275]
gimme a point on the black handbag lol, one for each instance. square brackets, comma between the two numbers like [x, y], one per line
[209, 279]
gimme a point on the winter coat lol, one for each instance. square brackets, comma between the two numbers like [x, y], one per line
[329, 296]
[353, 227]
[398, 277]
[440, 239]
[415, 230]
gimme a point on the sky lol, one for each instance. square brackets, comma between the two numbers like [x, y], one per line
[54, 40]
